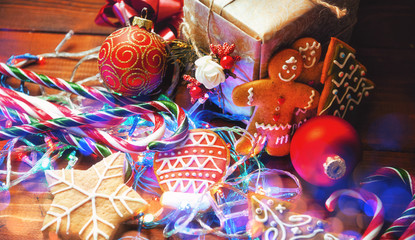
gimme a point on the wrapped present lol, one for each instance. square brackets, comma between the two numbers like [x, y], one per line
[258, 28]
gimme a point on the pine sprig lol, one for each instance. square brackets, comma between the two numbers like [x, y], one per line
[184, 54]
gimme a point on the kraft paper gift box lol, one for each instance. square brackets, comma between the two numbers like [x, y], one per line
[259, 28]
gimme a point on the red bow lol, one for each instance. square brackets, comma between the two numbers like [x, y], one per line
[166, 14]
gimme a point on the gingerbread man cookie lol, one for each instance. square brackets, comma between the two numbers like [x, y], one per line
[275, 99]
[310, 51]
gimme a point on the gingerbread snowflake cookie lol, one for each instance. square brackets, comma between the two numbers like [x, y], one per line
[345, 84]
[91, 203]
[275, 100]
[271, 218]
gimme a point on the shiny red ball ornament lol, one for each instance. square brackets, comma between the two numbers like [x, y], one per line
[227, 62]
[132, 60]
[324, 150]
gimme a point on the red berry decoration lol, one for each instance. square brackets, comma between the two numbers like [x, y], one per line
[324, 150]
[227, 62]
[195, 93]
[132, 60]
[223, 52]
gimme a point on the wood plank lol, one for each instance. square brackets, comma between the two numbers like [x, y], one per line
[52, 16]
[16, 43]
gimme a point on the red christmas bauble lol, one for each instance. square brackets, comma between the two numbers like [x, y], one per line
[324, 150]
[132, 61]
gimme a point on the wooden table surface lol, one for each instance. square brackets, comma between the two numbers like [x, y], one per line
[383, 37]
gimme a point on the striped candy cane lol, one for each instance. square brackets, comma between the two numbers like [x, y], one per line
[106, 97]
[398, 227]
[409, 234]
[150, 142]
[369, 198]
[21, 108]
[61, 84]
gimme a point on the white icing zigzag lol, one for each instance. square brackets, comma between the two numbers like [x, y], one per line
[357, 101]
[300, 110]
[346, 75]
[313, 94]
[341, 65]
[315, 45]
[197, 185]
[270, 127]
[206, 140]
[250, 96]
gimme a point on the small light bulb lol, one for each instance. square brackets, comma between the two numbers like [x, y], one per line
[148, 218]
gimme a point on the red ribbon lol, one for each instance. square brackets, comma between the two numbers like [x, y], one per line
[166, 14]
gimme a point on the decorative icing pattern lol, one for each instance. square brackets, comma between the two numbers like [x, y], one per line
[300, 110]
[120, 195]
[274, 127]
[250, 96]
[303, 50]
[194, 166]
[276, 220]
[309, 104]
[282, 229]
[347, 85]
[292, 60]
[315, 45]
[286, 79]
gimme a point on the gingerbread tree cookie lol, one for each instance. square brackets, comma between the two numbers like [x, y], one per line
[91, 203]
[275, 99]
[344, 80]
[271, 218]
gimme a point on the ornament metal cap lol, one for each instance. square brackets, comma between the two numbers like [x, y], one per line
[143, 22]
[334, 167]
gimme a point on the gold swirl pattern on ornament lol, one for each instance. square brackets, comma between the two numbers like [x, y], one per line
[110, 76]
[155, 61]
[124, 55]
[104, 52]
[156, 56]
[139, 37]
[137, 81]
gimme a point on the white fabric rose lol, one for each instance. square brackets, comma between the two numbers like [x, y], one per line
[208, 72]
